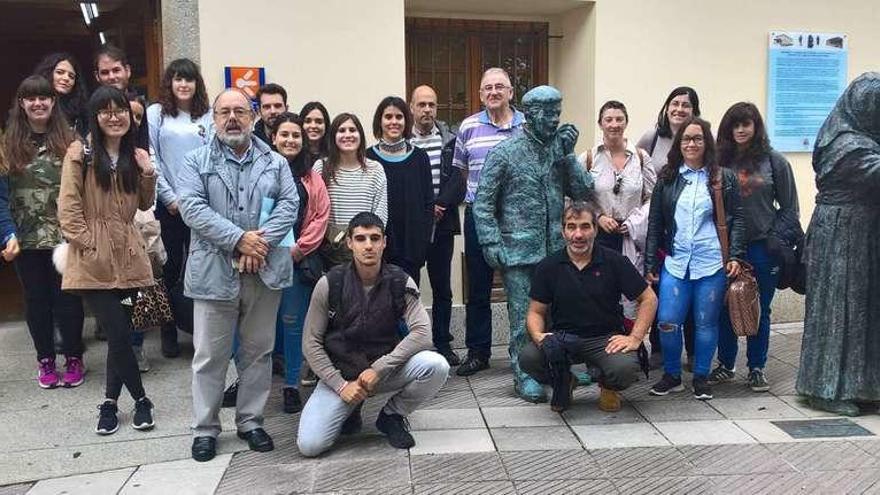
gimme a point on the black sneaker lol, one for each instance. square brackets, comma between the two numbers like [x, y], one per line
[292, 402]
[702, 389]
[720, 375]
[143, 415]
[472, 364]
[108, 422]
[309, 379]
[667, 384]
[450, 356]
[354, 422]
[204, 448]
[757, 381]
[396, 428]
[230, 395]
[170, 346]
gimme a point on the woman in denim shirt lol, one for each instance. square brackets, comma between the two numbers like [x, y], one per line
[692, 276]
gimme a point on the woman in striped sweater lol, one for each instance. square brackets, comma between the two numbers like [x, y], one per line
[355, 184]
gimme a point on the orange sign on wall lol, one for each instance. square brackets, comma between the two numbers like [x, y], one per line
[247, 79]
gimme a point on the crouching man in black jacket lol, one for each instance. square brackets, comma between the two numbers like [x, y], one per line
[354, 341]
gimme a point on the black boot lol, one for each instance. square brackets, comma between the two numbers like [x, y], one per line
[170, 347]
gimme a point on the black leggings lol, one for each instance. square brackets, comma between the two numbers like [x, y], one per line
[115, 319]
[46, 305]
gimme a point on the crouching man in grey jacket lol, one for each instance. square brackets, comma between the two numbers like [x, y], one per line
[366, 332]
[236, 268]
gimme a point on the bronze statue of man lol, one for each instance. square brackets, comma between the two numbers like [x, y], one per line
[519, 205]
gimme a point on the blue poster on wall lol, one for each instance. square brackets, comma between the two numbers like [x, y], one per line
[805, 76]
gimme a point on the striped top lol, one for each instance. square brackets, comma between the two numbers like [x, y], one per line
[476, 136]
[432, 143]
[354, 191]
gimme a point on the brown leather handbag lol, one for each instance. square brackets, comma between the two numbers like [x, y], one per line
[743, 298]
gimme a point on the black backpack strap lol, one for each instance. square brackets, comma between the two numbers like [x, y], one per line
[654, 142]
[335, 280]
[399, 290]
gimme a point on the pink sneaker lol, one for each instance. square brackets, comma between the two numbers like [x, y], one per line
[47, 377]
[75, 372]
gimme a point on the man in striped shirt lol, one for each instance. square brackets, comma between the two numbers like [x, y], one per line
[478, 134]
[438, 141]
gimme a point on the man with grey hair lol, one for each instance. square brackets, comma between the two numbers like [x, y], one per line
[478, 134]
[240, 200]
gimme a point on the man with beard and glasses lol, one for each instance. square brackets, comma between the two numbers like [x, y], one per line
[580, 287]
[236, 269]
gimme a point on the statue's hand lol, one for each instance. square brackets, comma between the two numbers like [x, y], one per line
[568, 136]
[494, 255]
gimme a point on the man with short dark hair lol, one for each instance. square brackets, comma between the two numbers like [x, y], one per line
[581, 287]
[272, 101]
[354, 341]
[112, 68]
[435, 137]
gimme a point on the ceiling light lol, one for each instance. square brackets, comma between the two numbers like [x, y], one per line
[103, 39]
[87, 13]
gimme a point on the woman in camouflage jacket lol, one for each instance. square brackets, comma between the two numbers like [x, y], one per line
[37, 137]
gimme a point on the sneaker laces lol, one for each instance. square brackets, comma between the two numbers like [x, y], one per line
[107, 408]
[74, 364]
[47, 366]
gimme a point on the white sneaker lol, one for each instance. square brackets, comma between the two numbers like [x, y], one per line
[143, 364]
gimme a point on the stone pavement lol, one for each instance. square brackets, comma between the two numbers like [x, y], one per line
[475, 437]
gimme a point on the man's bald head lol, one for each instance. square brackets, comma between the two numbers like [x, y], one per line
[423, 90]
[424, 108]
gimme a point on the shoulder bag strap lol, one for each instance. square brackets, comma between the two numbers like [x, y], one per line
[720, 217]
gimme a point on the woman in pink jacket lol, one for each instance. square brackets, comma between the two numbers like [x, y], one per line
[311, 223]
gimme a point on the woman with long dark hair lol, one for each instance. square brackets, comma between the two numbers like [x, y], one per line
[692, 276]
[354, 182]
[410, 187]
[315, 121]
[309, 229]
[104, 183]
[681, 104]
[767, 189]
[37, 137]
[64, 74]
[180, 122]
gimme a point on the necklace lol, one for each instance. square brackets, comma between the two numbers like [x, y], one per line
[392, 148]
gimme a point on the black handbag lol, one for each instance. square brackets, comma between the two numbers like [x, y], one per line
[311, 268]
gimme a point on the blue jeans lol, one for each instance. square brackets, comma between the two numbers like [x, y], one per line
[704, 297]
[767, 274]
[478, 316]
[289, 326]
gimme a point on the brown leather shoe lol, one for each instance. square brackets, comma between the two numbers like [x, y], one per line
[609, 400]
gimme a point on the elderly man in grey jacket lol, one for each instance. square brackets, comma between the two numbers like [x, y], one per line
[236, 269]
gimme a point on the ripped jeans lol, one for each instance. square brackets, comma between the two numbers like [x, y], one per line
[705, 297]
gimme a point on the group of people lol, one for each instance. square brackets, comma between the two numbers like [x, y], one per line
[288, 236]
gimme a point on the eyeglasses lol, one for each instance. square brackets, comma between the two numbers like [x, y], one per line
[107, 114]
[697, 140]
[618, 183]
[497, 87]
[224, 113]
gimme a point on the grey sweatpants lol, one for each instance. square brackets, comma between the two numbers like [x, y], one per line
[253, 313]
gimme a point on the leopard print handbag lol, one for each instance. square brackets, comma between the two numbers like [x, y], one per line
[151, 308]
